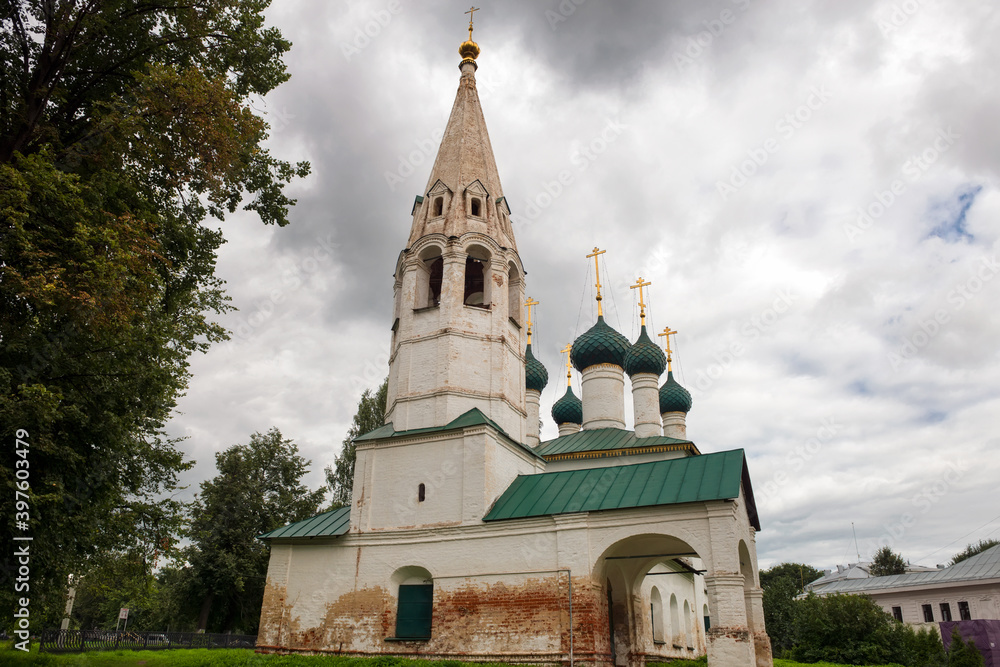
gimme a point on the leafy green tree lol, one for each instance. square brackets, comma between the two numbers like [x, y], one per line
[926, 649]
[886, 562]
[848, 629]
[124, 575]
[781, 584]
[963, 654]
[124, 125]
[370, 416]
[258, 489]
[973, 549]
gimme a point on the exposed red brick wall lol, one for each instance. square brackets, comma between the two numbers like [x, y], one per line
[526, 621]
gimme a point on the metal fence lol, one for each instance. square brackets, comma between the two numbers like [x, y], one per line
[71, 641]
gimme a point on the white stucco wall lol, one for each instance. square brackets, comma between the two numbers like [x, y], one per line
[603, 395]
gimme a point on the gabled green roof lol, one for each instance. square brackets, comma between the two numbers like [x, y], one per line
[612, 441]
[473, 417]
[328, 524]
[702, 478]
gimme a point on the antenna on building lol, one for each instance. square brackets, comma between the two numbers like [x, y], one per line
[858, 551]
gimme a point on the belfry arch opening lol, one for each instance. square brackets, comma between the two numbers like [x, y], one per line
[514, 300]
[477, 277]
[430, 274]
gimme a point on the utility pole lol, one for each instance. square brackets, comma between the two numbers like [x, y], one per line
[71, 597]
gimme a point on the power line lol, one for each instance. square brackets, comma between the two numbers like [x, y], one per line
[961, 538]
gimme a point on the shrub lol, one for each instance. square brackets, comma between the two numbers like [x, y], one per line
[849, 629]
[962, 654]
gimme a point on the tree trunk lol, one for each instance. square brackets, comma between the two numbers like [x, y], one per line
[206, 607]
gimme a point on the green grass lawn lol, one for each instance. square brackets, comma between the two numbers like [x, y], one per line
[247, 658]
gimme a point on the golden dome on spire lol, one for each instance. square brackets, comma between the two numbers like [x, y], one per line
[469, 50]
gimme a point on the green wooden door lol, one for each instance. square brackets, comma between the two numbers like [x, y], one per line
[413, 618]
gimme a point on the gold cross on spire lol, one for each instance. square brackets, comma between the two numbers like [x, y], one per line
[667, 331]
[472, 12]
[528, 305]
[569, 365]
[642, 304]
[597, 272]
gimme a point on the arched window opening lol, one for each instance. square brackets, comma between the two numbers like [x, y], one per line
[656, 614]
[675, 622]
[436, 270]
[476, 207]
[475, 282]
[438, 206]
[708, 619]
[688, 629]
[421, 493]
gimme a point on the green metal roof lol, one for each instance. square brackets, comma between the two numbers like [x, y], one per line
[473, 417]
[328, 524]
[608, 440]
[702, 478]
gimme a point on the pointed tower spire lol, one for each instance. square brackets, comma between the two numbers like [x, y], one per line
[463, 191]
[458, 341]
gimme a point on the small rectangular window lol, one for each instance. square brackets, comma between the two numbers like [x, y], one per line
[945, 611]
[928, 613]
[963, 611]
[897, 613]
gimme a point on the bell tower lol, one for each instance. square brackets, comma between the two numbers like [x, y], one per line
[458, 331]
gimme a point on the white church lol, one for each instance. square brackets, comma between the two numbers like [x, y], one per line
[467, 537]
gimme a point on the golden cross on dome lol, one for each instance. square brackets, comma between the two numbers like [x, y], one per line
[528, 305]
[642, 305]
[667, 332]
[472, 12]
[569, 366]
[597, 272]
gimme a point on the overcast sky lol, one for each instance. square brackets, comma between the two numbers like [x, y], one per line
[811, 187]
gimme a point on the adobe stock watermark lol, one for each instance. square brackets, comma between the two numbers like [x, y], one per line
[898, 16]
[911, 170]
[786, 127]
[922, 503]
[371, 28]
[698, 43]
[796, 459]
[929, 328]
[372, 374]
[292, 279]
[425, 149]
[750, 330]
[581, 161]
[565, 9]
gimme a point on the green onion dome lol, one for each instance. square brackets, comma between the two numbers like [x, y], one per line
[535, 375]
[674, 397]
[568, 409]
[645, 356]
[599, 345]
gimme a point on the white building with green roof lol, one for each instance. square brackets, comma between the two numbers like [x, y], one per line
[468, 537]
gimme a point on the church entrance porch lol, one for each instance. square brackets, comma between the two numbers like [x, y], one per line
[666, 600]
